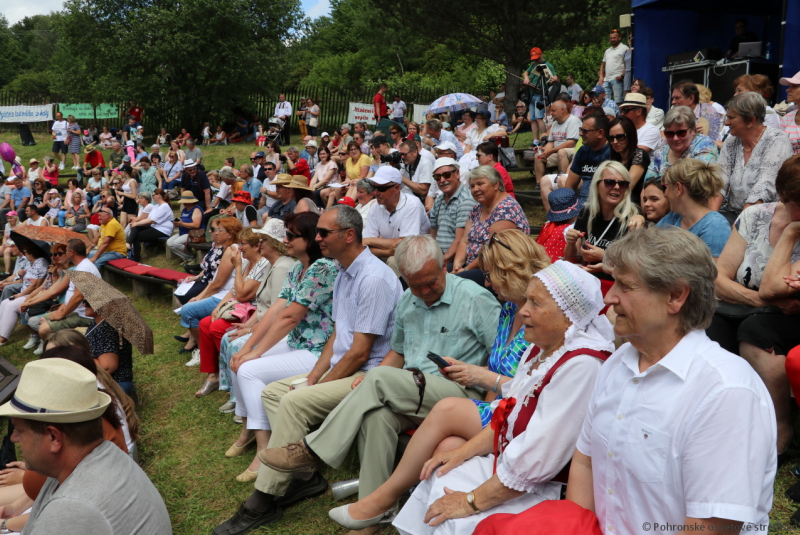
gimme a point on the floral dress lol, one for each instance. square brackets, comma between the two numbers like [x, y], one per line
[210, 264]
[702, 148]
[503, 359]
[315, 291]
[507, 210]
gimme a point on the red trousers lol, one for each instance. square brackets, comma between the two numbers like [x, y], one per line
[793, 371]
[211, 333]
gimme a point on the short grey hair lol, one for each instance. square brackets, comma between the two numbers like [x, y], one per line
[415, 251]
[489, 173]
[348, 217]
[146, 196]
[680, 115]
[666, 258]
[292, 149]
[366, 184]
[345, 126]
[434, 124]
[247, 168]
[748, 105]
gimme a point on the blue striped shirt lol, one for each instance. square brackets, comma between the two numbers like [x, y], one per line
[365, 296]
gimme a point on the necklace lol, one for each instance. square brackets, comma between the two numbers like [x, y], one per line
[757, 140]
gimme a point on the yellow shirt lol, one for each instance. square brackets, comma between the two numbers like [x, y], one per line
[354, 169]
[114, 229]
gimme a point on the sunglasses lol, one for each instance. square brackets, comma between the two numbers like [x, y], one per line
[325, 232]
[446, 175]
[253, 159]
[618, 137]
[495, 239]
[585, 131]
[384, 188]
[292, 236]
[419, 380]
[669, 134]
[610, 183]
[57, 254]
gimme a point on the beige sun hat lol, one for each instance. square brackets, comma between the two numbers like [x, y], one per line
[58, 391]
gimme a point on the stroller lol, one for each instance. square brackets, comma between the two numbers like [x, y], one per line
[273, 131]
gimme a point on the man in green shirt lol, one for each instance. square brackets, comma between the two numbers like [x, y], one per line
[440, 313]
[534, 80]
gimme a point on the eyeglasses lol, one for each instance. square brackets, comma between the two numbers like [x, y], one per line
[610, 183]
[446, 175]
[494, 239]
[57, 254]
[618, 137]
[669, 134]
[583, 131]
[218, 229]
[324, 232]
[419, 380]
[292, 236]
[253, 159]
[394, 132]
[385, 187]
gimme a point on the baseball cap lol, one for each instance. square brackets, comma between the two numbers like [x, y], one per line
[442, 162]
[536, 53]
[387, 175]
[598, 89]
[447, 145]
[261, 154]
[789, 81]
[348, 201]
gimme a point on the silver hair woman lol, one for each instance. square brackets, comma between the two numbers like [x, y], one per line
[751, 155]
[682, 142]
[666, 396]
[496, 210]
[603, 220]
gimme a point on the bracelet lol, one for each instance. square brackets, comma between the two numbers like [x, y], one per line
[496, 383]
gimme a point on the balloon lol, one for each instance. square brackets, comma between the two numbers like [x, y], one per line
[7, 152]
[17, 169]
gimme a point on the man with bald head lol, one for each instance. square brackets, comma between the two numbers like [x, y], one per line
[560, 146]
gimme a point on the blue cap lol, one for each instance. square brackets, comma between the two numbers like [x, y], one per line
[598, 89]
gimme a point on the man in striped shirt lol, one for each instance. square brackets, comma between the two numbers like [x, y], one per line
[450, 209]
[365, 295]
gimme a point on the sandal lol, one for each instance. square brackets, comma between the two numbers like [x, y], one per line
[208, 387]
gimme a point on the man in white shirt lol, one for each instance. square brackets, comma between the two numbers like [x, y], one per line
[612, 68]
[634, 107]
[436, 136]
[283, 111]
[398, 109]
[655, 116]
[269, 193]
[60, 146]
[417, 171]
[71, 314]
[573, 89]
[396, 215]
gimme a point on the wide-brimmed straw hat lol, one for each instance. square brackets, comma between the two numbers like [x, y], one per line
[58, 391]
[292, 181]
[187, 197]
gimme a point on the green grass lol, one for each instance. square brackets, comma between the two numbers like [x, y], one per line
[184, 439]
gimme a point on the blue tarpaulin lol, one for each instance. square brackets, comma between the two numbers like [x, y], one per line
[666, 27]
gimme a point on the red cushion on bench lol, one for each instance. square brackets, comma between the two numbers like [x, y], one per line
[123, 263]
[140, 269]
[168, 274]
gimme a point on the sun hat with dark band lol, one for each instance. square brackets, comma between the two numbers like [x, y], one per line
[58, 391]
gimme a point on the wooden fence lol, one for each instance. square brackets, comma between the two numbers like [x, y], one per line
[333, 104]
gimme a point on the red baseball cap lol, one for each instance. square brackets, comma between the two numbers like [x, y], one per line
[348, 201]
[536, 53]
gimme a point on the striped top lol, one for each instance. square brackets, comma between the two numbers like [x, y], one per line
[365, 296]
[790, 126]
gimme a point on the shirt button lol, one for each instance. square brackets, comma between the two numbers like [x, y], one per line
[636, 381]
[610, 491]
[610, 455]
[610, 528]
[619, 417]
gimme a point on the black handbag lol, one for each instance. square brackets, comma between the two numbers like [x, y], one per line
[508, 158]
[44, 307]
[732, 311]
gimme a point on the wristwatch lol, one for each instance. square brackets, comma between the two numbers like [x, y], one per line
[471, 502]
[3, 528]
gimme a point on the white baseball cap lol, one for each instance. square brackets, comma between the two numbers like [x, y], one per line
[387, 175]
[442, 162]
[447, 145]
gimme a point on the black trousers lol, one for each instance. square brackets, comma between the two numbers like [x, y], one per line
[139, 235]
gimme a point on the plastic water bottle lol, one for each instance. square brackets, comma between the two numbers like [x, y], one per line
[769, 51]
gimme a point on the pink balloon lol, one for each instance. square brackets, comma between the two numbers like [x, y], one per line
[7, 152]
[17, 169]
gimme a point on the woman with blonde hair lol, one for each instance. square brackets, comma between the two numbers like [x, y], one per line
[603, 220]
[508, 260]
[688, 185]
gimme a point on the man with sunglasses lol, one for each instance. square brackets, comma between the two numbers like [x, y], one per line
[417, 172]
[257, 160]
[396, 215]
[451, 209]
[365, 296]
[595, 150]
[560, 146]
[196, 181]
[440, 313]
[634, 107]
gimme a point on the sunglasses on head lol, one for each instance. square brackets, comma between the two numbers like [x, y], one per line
[385, 187]
[495, 239]
[446, 175]
[610, 183]
[669, 134]
[618, 137]
[419, 380]
[325, 232]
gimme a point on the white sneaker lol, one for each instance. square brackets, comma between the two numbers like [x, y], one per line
[195, 360]
[61, 166]
[237, 419]
[33, 341]
[40, 349]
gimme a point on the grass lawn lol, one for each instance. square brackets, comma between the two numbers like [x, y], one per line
[184, 439]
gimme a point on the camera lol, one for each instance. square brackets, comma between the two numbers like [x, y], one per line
[282, 158]
[393, 158]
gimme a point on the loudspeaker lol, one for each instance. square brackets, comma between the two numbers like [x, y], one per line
[721, 77]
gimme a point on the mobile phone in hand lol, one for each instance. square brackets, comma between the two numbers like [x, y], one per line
[436, 359]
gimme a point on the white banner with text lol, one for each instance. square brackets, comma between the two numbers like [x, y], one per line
[26, 114]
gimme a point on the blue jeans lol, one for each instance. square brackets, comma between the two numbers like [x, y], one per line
[534, 112]
[126, 386]
[62, 216]
[192, 313]
[614, 90]
[105, 258]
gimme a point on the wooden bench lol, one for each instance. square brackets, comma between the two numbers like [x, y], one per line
[200, 250]
[143, 285]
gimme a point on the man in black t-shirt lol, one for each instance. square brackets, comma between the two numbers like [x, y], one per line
[595, 150]
[196, 181]
[743, 35]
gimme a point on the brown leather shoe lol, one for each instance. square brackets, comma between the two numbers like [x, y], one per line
[293, 457]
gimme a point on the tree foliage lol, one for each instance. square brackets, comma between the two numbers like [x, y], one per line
[11, 57]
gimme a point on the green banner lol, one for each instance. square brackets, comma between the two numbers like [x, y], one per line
[87, 111]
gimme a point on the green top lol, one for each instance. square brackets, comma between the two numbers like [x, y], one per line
[534, 78]
[462, 324]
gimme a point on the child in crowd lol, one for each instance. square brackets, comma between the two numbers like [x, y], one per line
[87, 137]
[261, 140]
[560, 218]
[53, 200]
[206, 132]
